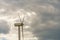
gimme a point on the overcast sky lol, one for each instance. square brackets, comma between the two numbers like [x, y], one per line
[42, 19]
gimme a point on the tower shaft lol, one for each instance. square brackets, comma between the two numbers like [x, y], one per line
[19, 38]
[20, 25]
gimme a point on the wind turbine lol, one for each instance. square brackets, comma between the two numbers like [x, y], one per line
[20, 25]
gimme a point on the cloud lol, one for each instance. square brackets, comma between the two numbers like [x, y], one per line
[53, 34]
[44, 24]
[3, 38]
[46, 27]
[4, 27]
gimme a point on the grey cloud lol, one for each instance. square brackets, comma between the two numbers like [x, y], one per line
[49, 31]
[53, 34]
[48, 34]
[17, 3]
[3, 38]
[45, 32]
[4, 27]
[24, 4]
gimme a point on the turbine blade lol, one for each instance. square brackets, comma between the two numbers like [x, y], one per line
[19, 17]
[23, 19]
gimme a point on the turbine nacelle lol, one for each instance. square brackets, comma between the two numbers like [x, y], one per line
[18, 24]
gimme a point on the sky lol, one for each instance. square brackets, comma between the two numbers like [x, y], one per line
[41, 19]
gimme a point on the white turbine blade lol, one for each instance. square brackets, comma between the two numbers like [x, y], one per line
[23, 19]
[19, 17]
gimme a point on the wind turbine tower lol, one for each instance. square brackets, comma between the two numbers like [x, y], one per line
[20, 25]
